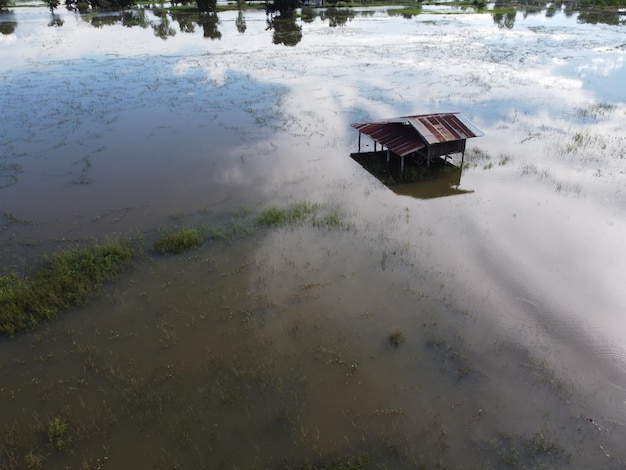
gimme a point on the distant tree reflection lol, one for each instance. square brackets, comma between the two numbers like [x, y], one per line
[209, 22]
[132, 18]
[308, 14]
[186, 21]
[281, 18]
[283, 7]
[162, 29]
[55, 20]
[207, 5]
[530, 8]
[504, 20]
[98, 21]
[614, 18]
[7, 22]
[337, 16]
[286, 31]
[53, 4]
[240, 22]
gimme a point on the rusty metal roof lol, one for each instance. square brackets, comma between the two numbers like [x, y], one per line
[407, 134]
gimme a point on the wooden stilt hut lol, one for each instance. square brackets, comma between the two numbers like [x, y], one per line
[422, 137]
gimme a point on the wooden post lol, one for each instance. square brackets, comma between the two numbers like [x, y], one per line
[359, 141]
[388, 155]
[402, 164]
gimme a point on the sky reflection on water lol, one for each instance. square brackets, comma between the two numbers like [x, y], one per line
[114, 130]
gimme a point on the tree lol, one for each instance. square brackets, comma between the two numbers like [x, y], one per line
[209, 23]
[207, 5]
[8, 23]
[162, 29]
[284, 7]
[286, 31]
[56, 21]
[52, 4]
[240, 22]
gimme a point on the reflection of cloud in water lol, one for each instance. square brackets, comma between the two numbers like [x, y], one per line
[602, 66]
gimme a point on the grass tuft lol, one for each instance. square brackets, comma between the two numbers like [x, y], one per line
[34, 460]
[395, 338]
[301, 213]
[67, 278]
[331, 221]
[178, 241]
[294, 214]
[58, 434]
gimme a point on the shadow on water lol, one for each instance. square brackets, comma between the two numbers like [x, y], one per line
[440, 179]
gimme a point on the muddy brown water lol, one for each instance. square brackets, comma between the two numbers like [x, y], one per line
[273, 350]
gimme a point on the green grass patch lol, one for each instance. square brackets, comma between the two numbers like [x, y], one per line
[395, 338]
[301, 213]
[294, 214]
[67, 278]
[177, 241]
[332, 220]
[58, 434]
[71, 277]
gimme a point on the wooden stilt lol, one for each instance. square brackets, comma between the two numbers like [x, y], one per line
[402, 164]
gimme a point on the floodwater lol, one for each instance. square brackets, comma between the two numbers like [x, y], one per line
[274, 350]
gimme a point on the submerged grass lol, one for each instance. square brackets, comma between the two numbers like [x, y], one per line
[395, 338]
[177, 241]
[294, 214]
[67, 278]
[70, 277]
[301, 213]
[541, 451]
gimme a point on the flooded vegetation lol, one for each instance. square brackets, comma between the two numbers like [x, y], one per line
[197, 271]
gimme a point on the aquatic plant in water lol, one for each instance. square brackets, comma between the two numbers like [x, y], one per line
[292, 215]
[66, 278]
[178, 241]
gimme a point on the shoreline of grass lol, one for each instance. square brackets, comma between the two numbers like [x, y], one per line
[71, 276]
[66, 278]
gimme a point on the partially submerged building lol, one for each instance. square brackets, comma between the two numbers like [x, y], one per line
[423, 137]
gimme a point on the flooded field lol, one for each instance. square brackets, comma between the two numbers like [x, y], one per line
[485, 328]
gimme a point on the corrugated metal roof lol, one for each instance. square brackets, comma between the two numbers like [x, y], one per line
[400, 138]
[406, 134]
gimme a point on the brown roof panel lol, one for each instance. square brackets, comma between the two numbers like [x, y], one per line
[400, 138]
